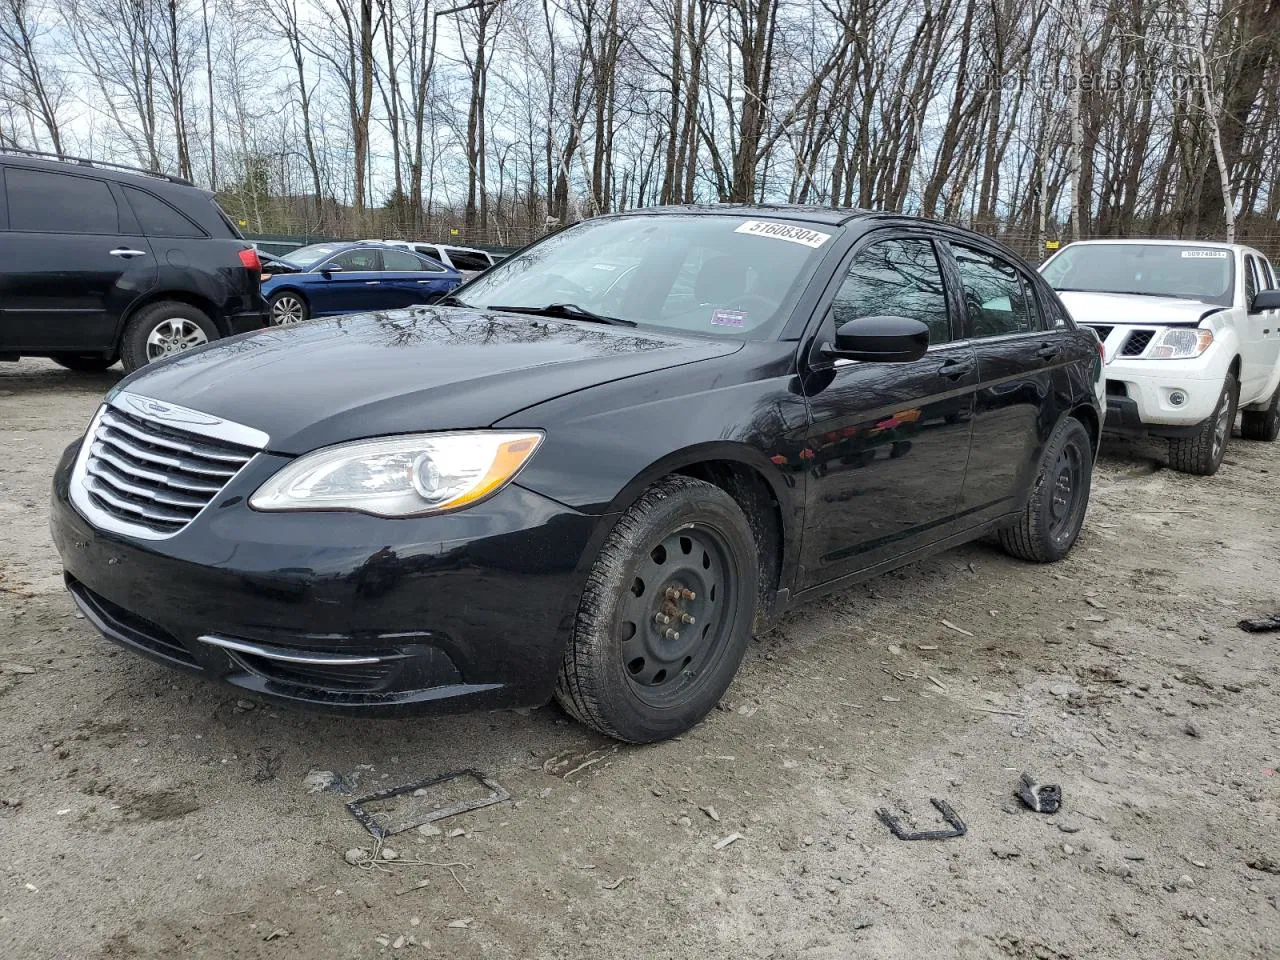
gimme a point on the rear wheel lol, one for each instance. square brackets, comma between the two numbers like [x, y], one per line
[665, 616]
[83, 362]
[1202, 452]
[287, 307]
[162, 330]
[1262, 424]
[1054, 514]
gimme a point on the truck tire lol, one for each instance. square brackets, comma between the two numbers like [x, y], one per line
[645, 663]
[164, 329]
[1202, 453]
[1054, 514]
[1262, 424]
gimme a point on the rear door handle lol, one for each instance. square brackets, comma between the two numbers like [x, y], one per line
[127, 253]
[955, 369]
[426, 281]
[372, 283]
[1049, 351]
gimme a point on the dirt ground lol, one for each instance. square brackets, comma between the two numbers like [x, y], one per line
[147, 814]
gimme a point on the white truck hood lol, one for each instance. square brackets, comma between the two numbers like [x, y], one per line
[1117, 308]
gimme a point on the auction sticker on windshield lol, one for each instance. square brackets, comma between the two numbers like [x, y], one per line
[1204, 254]
[784, 231]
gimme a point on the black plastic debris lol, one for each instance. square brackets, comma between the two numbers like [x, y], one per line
[1040, 797]
[958, 829]
[1261, 624]
[373, 820]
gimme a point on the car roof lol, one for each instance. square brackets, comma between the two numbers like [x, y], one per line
[1153, 242]
[101, 170]
[788, 211]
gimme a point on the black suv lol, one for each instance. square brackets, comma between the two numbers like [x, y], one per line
[100, 263]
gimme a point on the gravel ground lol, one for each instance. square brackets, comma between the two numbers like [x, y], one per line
[146, 814]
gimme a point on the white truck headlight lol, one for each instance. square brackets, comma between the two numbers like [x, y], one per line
[400, 476]
[1180, 343]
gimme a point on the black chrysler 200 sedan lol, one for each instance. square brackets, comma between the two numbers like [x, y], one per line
[593, 472]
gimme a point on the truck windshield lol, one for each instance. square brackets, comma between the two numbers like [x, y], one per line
[1147, 269]
[713, 274]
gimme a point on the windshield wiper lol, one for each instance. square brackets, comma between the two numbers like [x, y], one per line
[569, 311]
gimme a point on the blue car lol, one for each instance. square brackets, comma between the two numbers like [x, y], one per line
[334, 278]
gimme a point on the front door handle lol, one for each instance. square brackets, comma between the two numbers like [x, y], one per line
[955, 369]
[372, 283]
[127, 253]
[1049, 351]
[426, 281]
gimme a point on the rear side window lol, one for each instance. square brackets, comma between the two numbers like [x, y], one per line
[41, 202]
[157, 218]
[467, 260]
[225, 219]
[898, 278]
[402, 261]
[432, 252]
[994, 294]
[1251, 284]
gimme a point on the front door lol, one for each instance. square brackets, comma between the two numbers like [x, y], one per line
[1020, 354]
[72, 262]
[888, 442]
[357, 288]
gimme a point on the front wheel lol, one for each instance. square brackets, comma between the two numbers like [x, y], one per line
[1262, 425]
[287, 307]
[1202, 452]
[1054, 514]
[665, 616]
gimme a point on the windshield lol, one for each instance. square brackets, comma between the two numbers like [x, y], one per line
[730, 276]
[1154, 270]
[307, 257]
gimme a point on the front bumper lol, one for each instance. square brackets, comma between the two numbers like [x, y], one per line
[1141, 393]
[340, 611]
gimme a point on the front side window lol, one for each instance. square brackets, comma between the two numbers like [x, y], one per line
[306, 258]
[899, 278]
[1175, 270]
[358, 260]
[719, 275]
[1251, 284]
[41, 202]
[994, 295]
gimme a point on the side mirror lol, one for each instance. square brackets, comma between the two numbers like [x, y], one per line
[881, 339]
[329, 268]
[1265, 300]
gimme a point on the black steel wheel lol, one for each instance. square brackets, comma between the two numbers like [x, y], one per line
[665, 616]
[1050, 522]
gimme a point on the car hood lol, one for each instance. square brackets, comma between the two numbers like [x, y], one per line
[403, 371]
[1114, 308]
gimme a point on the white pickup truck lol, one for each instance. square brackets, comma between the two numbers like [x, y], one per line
[1190, 333]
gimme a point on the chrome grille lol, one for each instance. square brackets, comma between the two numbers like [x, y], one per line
[143, 476]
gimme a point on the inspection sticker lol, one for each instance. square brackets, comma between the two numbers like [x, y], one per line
[784, 231]
[1204, 254]
[729, 318]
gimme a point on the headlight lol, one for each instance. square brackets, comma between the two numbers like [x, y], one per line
[400, 476]
[1180, 343]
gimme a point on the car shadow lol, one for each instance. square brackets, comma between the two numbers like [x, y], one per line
[34, 376]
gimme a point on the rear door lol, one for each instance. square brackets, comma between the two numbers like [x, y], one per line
[888, 442]
[1020, 354]
[412, 279]
[357, 287]
[74, 261]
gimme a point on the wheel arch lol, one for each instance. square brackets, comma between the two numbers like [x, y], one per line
[1088, 416]
[203, 304]
[767, 496]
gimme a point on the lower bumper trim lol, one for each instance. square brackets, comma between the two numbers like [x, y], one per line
[291, 656]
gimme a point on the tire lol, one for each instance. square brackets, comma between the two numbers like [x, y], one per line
[623, 673]
[83, 362]
[1262, 425]
[287, 307]
[1202, 452]
[1051, 520]
[164, 329]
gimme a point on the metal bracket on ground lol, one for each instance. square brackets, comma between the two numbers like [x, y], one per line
[357, 807]
[958, 829]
